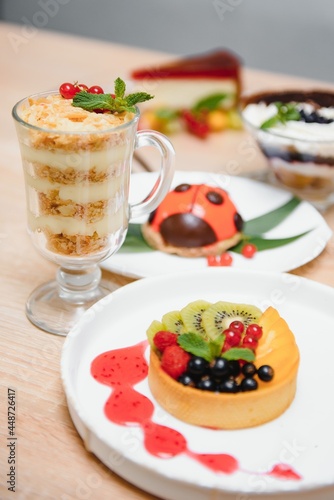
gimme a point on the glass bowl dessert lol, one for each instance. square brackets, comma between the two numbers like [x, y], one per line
[295, 131]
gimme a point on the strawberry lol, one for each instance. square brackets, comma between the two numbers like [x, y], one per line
[195, 125]
[175, 360]
[163, 339]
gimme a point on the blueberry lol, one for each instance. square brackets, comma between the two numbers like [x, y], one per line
[185, 379]
[220, 368]
[249, 370]
[229, 385]
[234, 368]
[197, 366]
[248, 384]
[206, 384]
[265, 373]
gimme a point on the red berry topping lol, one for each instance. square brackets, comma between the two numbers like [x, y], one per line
[254, 330]
[195, 125]
[237, 326]
[232, 337]
[212, 260]
[96, 89]
[163, 339]
[174, 361]
[225, 259]
[250, 342]
[81, 86]
[67, 90]
[249, 250]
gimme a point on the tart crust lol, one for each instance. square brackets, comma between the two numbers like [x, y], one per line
[277, 348]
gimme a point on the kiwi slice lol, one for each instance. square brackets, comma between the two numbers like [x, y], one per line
[192, 314]
[173, 322]
[154, 327]
[220, 315]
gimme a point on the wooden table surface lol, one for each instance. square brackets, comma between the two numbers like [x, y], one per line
[51, 459]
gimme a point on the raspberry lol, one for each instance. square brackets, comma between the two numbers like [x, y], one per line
[174, 361]
[163, 339]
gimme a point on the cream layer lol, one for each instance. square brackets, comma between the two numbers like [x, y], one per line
[81, 161]
[176, 93]
[69, 226]
[80, 193]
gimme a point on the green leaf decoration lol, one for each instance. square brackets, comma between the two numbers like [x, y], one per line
[216, 346]
[285, 112]
[119, 87]
[271, 219]
[239, 353]
[209, 103]
[264, 243]
[195, 344]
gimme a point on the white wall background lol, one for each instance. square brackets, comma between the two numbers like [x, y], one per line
[287, 36]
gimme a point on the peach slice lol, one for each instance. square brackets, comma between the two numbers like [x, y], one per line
[277, 347]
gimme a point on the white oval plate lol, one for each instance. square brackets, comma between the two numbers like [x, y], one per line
[251, 199]
[302, 437]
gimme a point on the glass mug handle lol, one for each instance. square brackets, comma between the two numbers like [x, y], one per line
[162, 185]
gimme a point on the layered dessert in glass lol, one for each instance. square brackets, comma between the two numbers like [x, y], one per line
[76, 174]
[295, 131]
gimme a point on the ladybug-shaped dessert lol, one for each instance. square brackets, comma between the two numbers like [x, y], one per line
[194, 220]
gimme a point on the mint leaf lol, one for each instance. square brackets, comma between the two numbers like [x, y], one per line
[117, 103]
[239, 353]
[119, 87]
[133, 99]
[285, 112]
[209, 103]
[216, 346]
[195, 344]
[93, 101]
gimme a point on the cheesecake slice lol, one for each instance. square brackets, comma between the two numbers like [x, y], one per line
[202, 84]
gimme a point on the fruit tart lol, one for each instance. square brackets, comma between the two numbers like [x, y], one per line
[194, 220]
[223, 365]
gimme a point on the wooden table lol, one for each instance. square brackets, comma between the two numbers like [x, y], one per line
[51, 459]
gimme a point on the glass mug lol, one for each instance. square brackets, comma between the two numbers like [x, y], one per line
[77, 194]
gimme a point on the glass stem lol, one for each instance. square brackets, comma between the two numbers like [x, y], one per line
[79, 286]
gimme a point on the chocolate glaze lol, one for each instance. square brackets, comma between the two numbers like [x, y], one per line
[320, 98]
[187, 230]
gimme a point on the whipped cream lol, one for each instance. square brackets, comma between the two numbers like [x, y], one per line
[256, 114]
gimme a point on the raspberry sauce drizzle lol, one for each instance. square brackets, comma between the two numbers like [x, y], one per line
[121, 369]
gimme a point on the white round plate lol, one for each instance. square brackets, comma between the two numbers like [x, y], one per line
[301, 438]
[252, 199]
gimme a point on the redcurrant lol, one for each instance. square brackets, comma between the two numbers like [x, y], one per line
[237, 326]
[81, 87]
[254, 330]
[250, 342]
[225, 259]
[232, 337]
[96, 89]
[249, 250]
[67, 90]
